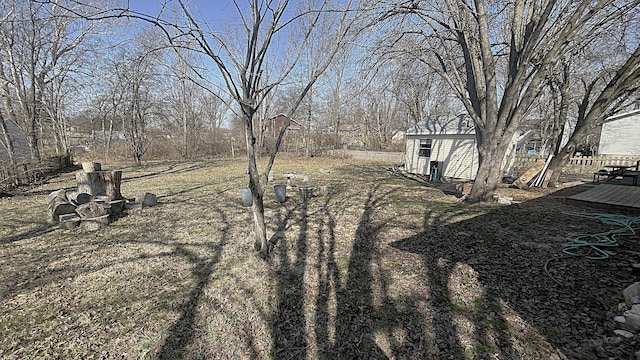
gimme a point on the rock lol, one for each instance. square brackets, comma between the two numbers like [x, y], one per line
[632, 294]
[632, 320]
[635, 308]
[622, 307]
[91, 210]
[638, 355]
[502, 199]
[146, 199]
[323, 171]
[624, 333]
[620, 319]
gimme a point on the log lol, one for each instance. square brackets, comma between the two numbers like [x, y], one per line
[91, 210]
[58, 204]
[57, 208]
[100, 183]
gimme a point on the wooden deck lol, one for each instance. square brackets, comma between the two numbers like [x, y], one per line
[609, 196]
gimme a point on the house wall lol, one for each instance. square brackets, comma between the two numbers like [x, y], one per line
[621, 136]
[412, 162]
[20, 144]
[457, 153]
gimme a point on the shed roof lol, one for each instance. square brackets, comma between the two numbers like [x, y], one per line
[443, 125]
[623, 115]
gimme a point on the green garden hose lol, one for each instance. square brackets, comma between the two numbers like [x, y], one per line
[591, 246]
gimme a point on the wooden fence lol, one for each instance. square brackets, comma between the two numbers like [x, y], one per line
[578, 164]
[12, 176]
[392, 157]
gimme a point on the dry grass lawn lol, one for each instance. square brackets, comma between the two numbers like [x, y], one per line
[380, 267]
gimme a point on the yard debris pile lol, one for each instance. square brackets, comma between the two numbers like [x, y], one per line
[96, 202]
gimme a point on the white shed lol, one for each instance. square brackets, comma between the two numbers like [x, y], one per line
[445, 143]
[621, 135]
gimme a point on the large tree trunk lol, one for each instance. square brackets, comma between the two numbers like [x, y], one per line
[491, 153]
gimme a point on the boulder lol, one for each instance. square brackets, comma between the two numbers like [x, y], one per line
[117, 207]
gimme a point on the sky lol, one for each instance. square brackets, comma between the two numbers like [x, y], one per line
[214, 12]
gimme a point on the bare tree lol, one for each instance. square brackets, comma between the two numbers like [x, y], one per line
[35, 39]
[137, 75]
[241, 63]
[608, 93]
[496, 58]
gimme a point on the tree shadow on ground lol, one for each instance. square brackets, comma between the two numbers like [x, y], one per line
[179, 335]
[346, 318]
[40, 230]
[480, 289]
[492, 297]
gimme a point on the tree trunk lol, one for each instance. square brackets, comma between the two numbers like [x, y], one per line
[257, 208]
[491, 153]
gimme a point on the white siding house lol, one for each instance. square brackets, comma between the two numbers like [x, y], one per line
[621, 135]
[20, 144]
[448, 143]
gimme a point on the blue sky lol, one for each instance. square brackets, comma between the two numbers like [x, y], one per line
[214, 12]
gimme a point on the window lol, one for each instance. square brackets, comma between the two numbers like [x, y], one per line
[425, 148]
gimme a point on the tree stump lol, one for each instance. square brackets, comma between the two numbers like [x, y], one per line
[97, 183]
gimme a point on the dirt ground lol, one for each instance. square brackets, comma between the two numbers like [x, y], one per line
[379, 266]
